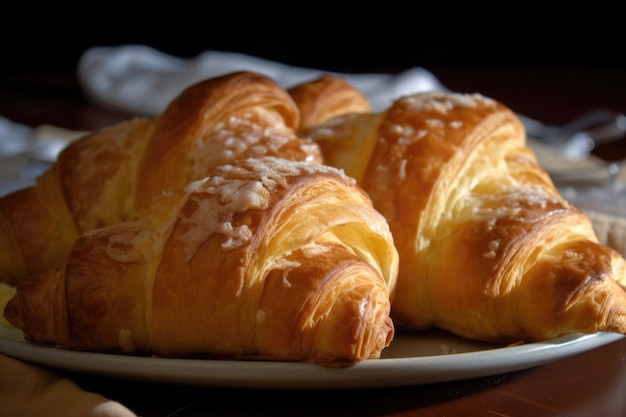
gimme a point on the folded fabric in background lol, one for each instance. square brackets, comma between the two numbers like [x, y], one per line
[140, 80]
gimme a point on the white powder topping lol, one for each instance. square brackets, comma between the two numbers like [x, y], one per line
[493, 246]
[283, 263]
[260, 316]
[246, 134]
[443, 103]
[286, 281]
[237, 189]
[435, 123]
[311, 150]
[407, 135]
[402, 173]
[491, 223]
[402, 130]
[515, 204]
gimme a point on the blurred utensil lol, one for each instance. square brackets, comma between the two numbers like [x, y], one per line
[602, 174]
[578, 137]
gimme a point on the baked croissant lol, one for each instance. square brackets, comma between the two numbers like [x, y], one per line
[105, 177]
[263, 259]
[488, 248]
[325, 98]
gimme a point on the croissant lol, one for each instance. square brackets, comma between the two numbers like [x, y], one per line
[488, 247]
[263, 259]
[325, 98]
[105, 177]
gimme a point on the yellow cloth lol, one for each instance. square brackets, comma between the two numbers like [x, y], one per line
[33, 391]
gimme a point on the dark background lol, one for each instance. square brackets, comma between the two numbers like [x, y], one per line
[59, 52]
[382, 36]
[529, 56]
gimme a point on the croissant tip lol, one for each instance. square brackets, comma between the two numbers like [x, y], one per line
[617, 322]
[12, 313]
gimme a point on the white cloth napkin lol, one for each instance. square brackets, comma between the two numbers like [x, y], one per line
[25, 151]
[141, 80]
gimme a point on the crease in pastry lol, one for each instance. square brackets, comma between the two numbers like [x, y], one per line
[488, 247]
[266, 258]
[325, 98]
[105, 177]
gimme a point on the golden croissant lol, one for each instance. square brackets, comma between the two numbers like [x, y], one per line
[105, 177]
[325, 98]
[263, 259]
[488, 247]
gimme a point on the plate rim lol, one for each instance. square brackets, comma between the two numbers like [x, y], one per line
[373, 373]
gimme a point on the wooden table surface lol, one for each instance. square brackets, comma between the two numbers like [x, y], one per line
[592, 383]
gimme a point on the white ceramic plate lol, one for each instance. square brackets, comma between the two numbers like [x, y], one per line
[411, 359]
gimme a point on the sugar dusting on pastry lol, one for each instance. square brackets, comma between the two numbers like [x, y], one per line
[443, 103]
[237, 189]
[250, 134]
[492, 246]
